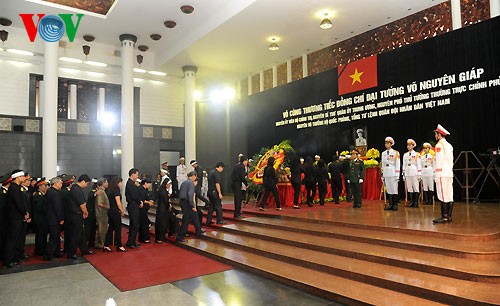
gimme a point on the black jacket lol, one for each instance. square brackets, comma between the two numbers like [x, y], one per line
[55, 206]
[17, 207]
[239, 174]
[270, 177]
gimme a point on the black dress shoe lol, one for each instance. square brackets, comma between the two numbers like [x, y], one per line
[73, 257]
[239, 217]
[222, 222]
[48, 258]
[203, 231]
[181, 240]
[132, 247]
[121, 249]
[10, 265]
[89, 252]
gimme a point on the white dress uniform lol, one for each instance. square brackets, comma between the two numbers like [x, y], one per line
[427, 161]
[390, 170]
[444, 170]
[181, 174]
[412, 170]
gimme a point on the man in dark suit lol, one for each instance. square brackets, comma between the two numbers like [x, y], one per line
[75, 219]
[17, 216]
[4, 221]
[238, 177]
[188, 205]
[134, 204]
[40, 216]
[55, 218]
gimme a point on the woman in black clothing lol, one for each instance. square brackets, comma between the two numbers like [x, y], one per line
[270, 181]
[147, 201]
[309, 180]
[161, 211]
[321, 174]
[115, 214]
[295, 178]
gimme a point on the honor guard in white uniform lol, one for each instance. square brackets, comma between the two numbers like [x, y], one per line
[390, 173]
[444, 174]
[412, 173]
[427, 161]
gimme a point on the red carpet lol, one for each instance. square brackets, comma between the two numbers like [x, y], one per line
[151, 265]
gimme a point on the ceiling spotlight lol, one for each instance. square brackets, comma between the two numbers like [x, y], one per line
[273, 46]
[88, 38]
[140, 58]
[187, 9]
[325, 23]
[5, 22]
[86, 50]
[170, 24]
[155, 36]
[143, 48]
[4, 35]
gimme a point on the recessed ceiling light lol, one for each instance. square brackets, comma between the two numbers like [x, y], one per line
[170, 24]
[20, 52]
[97, 64]
[70, 60]
[187, 9]
[159, 73]
[155, 36]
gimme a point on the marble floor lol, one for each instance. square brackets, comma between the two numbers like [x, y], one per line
[81, 284]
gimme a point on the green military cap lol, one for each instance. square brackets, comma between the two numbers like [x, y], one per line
[67, 178]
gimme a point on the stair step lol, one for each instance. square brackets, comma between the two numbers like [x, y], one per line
[464, 249]
[320, 283]
[437, 287]
[467, 269]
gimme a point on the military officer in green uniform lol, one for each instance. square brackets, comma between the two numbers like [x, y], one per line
[40, 216]
[355, 178]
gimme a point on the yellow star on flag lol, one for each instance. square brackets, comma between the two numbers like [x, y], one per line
[356, 77]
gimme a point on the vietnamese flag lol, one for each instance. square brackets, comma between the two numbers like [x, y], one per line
[358, 75]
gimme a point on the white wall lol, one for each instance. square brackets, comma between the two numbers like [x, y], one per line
[161, 101]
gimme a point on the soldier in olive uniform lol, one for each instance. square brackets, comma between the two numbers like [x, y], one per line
[90, 223]
[4, 221]
[356, 176]
[27, 198]
[40, 208]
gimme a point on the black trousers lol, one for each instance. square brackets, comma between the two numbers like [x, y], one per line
[172, 224]
[347, 190]
[188, 216]
[133, 228]
[160, 222]
[21, 242]
[274, 190]
[144, 224]
[75, 229]
[237, 198]
[90, 229]
[296, 193]
[14, 235]
[114, 226]
[311, 192]
[336, 188]
[215, 204]
[322, 192]
[54, 244]
[42, 231]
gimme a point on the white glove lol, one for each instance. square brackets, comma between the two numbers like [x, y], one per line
[348, 181]
[361, 181]
[419, 178]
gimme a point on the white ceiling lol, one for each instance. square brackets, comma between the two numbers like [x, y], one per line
[227, 39]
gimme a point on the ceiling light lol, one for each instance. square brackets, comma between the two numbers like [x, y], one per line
[155, 36]
[97, 64]
[69, 70]
[273, 46]
[96, 74]
[70, 60]
[139, 70]
[159, 73]
[20, 52]
[325, 23]
[138, 80]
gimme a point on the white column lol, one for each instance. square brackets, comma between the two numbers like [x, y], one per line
[288, 71]
[249, 85]
[456, 15]
[127, 126]
[494, 8]
[41, 98]
[275, 76]
[189, 112]
[73, 102]
[304, 66]
[238, 90]
[261, 79]
[101, 98]
[49, 134]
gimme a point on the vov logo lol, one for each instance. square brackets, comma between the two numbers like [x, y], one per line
[51, 27]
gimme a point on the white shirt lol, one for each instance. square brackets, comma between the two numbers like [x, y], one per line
[390, 164]
[427, 161]
[444, 158]
[411, 164]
